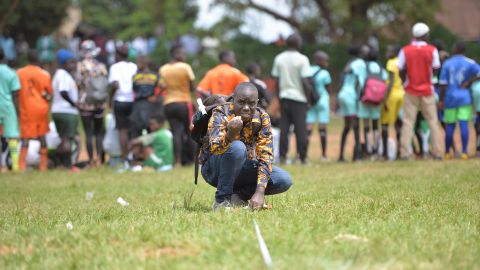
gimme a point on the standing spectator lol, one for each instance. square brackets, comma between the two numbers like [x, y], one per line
[120, 77]
[110, 50]
[64, 105]
[320, 112]
[476, 103]
[9, 86]
[46, 48]
[140, 45]
[177, 79]
[394, 100]
[222, 79]
[292, 72]
[369, 112]
[93, 91]
[144, 83]
[348, 98]
[34, 96]
[417, 62]
[456, 76]
[264, 96]
[9, 49]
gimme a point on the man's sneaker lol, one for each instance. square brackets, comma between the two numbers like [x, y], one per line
[464, 156]
[448, 156]
[237, 201]
[225, 205]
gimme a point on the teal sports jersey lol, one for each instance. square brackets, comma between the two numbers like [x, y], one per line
[9, 83]
[161, 142]
[321, 80]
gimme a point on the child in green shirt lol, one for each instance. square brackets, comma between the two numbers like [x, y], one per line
[155, 148]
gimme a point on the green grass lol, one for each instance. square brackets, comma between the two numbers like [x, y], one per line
[414, 215]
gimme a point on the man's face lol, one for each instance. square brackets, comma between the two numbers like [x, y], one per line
[71, 65]
[180, 55]
[245, 103]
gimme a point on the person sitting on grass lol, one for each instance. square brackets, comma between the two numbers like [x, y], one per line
[238, 159]
[155, 148]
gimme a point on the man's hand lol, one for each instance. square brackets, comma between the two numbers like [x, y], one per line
[234, 127]
[258, 199]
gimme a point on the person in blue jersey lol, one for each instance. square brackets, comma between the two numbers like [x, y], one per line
[320, 112]
[457, 75]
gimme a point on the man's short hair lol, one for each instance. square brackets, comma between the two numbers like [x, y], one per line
[174, 49]
[460, 47]
[244, 85]
[158, 117]
[32, 56]
[294, 40]
[223, 54]
[250, 68]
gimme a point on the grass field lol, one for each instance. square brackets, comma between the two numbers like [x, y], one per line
[406, 215]
[369, 215]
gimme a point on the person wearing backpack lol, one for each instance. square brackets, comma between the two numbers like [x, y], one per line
[238, 157]
[320, 112]
[93, 91]
[373, 94]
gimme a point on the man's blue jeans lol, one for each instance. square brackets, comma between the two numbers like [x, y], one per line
[231, 172]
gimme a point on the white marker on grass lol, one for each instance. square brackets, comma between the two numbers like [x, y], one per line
[263, 246]
[69, 226]
[122, 202]
[89, 195]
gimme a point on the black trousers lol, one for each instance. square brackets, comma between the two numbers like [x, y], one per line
[179, 120]
[293, 112]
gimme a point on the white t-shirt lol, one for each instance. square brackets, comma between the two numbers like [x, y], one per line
[123, 73]
[63, 81]
[290, 67]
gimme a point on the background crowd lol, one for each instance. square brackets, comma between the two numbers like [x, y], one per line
[122, 100]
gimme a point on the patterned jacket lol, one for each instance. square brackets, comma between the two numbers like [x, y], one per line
[259, 145]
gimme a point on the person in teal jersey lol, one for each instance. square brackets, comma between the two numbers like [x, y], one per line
[476, 104]
[353, 78]
[367, 112]
[155, 148]
[9, 86]
[320, 112]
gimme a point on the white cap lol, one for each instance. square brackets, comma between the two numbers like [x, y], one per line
[420, 29]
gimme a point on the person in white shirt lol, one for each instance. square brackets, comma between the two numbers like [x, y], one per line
[292, 72]
[64, 105]
[120, 78]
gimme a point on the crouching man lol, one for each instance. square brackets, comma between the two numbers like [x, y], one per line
[238, 157]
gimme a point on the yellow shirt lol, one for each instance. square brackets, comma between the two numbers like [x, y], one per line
[177, 77]
[397, 87]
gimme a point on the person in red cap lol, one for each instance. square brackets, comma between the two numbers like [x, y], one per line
[417, 62]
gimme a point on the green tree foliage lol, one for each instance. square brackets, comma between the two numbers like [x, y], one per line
[129, 18]
[341, 20]
[31, 18]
